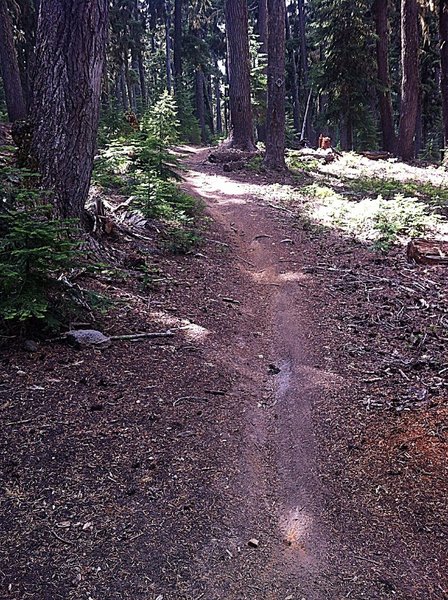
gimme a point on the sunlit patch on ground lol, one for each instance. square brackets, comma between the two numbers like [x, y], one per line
[214, 187]
[295, 526]
[269, 276]
[383, 202]
[192, 331]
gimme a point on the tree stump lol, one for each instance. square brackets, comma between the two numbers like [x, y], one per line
[427, 252]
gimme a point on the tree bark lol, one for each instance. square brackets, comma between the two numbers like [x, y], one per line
[25, 47]
[294, 79]
[241, 119]
[167, 11]
[382, 57]
[70, 51]
[275, 134]
[208, 96]
[409, 79]
[262, 27]
[141, 74]
[9, 65]
[200, 103]
[177, 44]
[218, 106]
[123, 91]
[443, 31]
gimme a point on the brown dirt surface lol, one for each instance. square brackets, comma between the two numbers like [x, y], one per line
[302, 403]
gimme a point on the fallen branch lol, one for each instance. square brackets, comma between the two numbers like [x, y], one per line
[61, 539]
[280, 208]
[140, 336]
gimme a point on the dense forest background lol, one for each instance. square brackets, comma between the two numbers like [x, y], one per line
[345, 66]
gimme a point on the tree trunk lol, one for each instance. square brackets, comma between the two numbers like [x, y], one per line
[226, 99]
[208, 95]
[382, 57]
[294, 79]
[419, 139]
[200, 103]
[409, 79]
[169, 83]
[70, 51]
[12, 84]
[141, 75]
[241, 120]
[275, 134]
[307, 131]
[262, 26]
[443, 30]
[177, 44]
[127, 78]
[123, 91]
[136, 90]
[25, 47]
[218, 107]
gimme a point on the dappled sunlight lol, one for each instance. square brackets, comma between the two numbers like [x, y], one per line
[295, 526]
[192, 331]
[292, 276]
[218, 188]
[378, 220]
[355, 166]
[271, 277]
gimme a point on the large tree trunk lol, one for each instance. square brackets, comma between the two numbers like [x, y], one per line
[294, 78]
[177, 44]
[382, 57]
[25, 47]
[275, 134]
[443, 30]
[70, 50]
[12, 84]
[262, 28]
[409, 79]
[307, 130]
[241, 120]
[167, 11]
[262, 25]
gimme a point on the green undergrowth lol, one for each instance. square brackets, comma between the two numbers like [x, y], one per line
[295, 163]
[255, 164]
[141, 165]
[379, 220]
[436, 197]
[37, 254]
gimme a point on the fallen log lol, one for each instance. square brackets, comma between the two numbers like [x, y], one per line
[427, 252]
[377, 154]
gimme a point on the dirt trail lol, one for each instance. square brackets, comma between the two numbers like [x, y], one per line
[142, 471]
[280, 487]
[315, 542]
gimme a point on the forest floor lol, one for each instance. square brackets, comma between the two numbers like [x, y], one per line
[288, 443]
